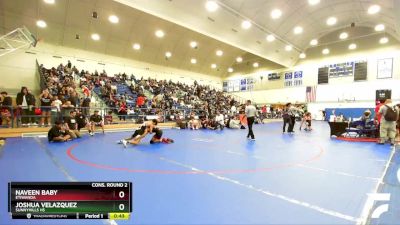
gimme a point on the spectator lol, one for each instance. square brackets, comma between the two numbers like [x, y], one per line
[5, 109]
[66, 108]
[122, 111]
[234, 122]
[180, 122]
[74, 99]
[86, 91]
[24, 100]
[86, 106]
[219, 119]
[140, 101]
[57, 133]
[108, 119]
[389, 116]
[32, 107]
[378, 116]
[194, 123]
[96, 120]
[56, 109]
[204, 122]
[130, 112]
[82, 121]
[45, 106]
[233, 110]
[71, 126]
[212, 124]
[366, 117]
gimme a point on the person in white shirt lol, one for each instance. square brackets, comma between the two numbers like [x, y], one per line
[233, 110]
[234, 123]
[55, 108]
[220, 120]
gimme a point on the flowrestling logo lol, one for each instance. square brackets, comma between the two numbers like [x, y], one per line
[381, 197]
[380, 209]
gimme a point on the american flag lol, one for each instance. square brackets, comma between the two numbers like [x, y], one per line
[311, 93]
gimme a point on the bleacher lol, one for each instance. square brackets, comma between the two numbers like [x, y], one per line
[194, 97]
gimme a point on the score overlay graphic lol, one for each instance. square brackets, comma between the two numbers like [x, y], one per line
[70, 200]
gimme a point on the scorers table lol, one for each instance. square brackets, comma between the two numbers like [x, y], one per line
[70, 200]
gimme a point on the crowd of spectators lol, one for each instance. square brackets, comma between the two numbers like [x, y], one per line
[170, 101]
[57, 98]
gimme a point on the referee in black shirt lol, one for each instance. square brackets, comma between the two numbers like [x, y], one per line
[251, 113]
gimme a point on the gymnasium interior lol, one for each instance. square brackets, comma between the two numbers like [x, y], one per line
[199, 112]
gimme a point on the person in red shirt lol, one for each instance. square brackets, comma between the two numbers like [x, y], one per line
[264, 110]
[140, 101]
[378, 116]
[86, 91]
[108, 118]
[122, 111]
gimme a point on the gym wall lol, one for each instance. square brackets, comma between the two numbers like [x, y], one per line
[338, 88]
[19, 68]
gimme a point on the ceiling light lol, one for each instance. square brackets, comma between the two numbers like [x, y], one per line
[212, 6]
[343, 35]
[325, 51]
[219, 53]
[246, 24]
[95, 37]
[384, 40]
[213, 65]
[168, 54]
[49, 1]
[313, 2]
[160, 33]
[239, 59]
[255, 65]
[373, 9]
[41, 24]
[352, 46]
[113, 19]
[136, 46]
[193, 44]
[331, 21]
[298, 30]
[193, 61]
[314, 42]
[379, 27]
[270, 38]
[288, 48]
[230, 70]
[302, 55]
[276, 14]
